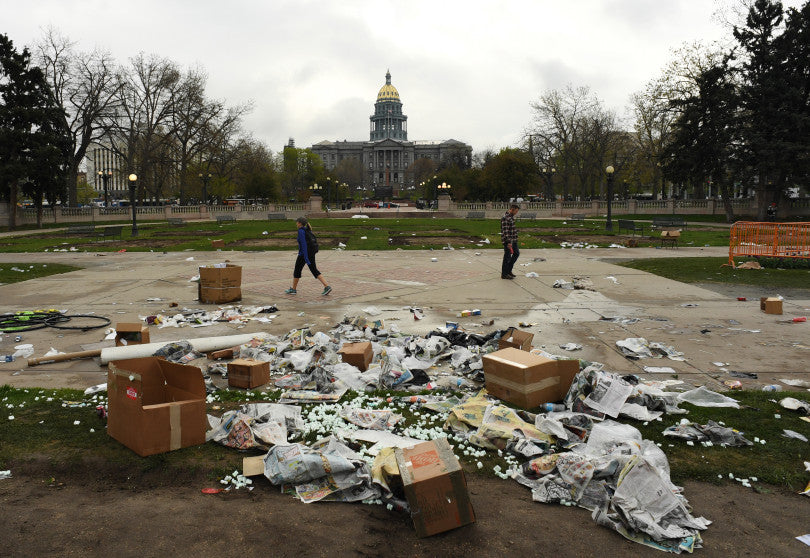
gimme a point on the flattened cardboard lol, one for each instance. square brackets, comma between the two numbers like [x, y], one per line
[155, 406]
[223, 353]
[253, 466]
[220, 284]
[435, 487]
[516, 338]
[248, 373]
[219, 243]
[770, 305]
[131, 333]
[357, 354]
[526, 379]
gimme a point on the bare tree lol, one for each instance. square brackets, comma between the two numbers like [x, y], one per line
[84, 85]
[143, 130]
[197, 121]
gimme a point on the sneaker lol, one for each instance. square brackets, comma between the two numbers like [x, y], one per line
[326, 290]
[290, 291]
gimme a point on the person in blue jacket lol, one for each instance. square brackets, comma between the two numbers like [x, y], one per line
[307, 248]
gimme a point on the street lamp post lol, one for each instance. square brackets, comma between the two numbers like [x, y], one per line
[549, 174]
[206, 178]
[609, 170]
[443, 189]
[133, 178]
[105, 178]
[316, 190]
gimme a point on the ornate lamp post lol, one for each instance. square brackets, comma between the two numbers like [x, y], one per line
[206, 178]
[133, 179]
[609, 170]
[548, 172]
[316, 190]
[105, 177]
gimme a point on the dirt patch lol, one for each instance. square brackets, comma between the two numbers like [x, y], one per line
[101, 509]
[433, 240]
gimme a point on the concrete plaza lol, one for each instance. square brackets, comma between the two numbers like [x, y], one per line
[707, 326]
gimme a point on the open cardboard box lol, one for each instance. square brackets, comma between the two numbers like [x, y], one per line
[155, 406]
[435, 487]
[516, 338]
[526, 379]
[131, 333]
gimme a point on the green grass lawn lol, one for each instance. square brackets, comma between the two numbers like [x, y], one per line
[16, 272]
[44, 423]
[710, 270]
[355, 234]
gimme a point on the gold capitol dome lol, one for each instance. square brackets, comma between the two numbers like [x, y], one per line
[388, 92]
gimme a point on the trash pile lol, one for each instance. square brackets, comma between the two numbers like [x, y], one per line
[346, 452]
[236, 315]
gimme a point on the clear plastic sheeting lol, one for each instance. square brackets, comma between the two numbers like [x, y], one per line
[704, 397]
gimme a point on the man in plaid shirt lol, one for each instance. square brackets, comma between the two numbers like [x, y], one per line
[509, 238]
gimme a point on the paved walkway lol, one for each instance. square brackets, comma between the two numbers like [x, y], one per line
[706, 326]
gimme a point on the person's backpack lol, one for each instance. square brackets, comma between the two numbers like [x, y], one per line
[312, 242]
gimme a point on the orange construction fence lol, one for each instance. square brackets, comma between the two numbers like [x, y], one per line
[769, 240]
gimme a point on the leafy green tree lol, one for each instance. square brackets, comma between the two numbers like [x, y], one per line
[774, 97]
[35, 143]
[511, 173]
[700, 147]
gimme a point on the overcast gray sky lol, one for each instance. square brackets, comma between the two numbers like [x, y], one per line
[464, 70]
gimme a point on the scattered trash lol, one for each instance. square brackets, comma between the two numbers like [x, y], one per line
[638, 347]
[571, 347]
[532, 275]
[793, 404]
[5, 474]
[749, 375]
[796, 383]
[772, 387]
[795, 435]
[709, 432]
[704, 397]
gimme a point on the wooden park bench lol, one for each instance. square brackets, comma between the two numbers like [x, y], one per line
[176, 221]
[476, 214]
[577, 217]
[631, 226]
[222, 219]
[277, 216]
[81, 229]
[111, 232]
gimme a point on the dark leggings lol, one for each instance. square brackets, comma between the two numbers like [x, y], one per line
[299, 266]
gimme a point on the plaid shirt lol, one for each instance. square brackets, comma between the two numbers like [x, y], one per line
[508, 230]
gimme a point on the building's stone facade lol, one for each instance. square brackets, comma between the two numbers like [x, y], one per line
[387, 157]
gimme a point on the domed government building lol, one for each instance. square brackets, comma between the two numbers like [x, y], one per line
[387, 157]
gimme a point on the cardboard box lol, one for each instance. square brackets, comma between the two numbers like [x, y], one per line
[131, 334]
[220, 284]
[670, 233]
[435, 487]
[248, 373]
[155, 406]
[516, 338]
[770, 305]
[526, 379]
[219, 243]
[357, 354]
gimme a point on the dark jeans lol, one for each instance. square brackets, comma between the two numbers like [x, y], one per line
[509, 258]
[299, 266]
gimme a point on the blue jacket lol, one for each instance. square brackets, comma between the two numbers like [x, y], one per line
[303, 249]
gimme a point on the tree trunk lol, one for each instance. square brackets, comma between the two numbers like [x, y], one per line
[727, 193]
